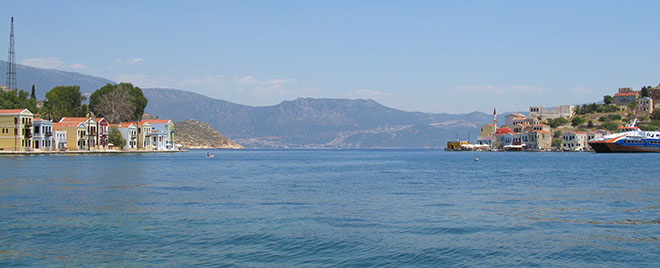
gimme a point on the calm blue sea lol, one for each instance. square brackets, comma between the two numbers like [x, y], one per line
[328, 208]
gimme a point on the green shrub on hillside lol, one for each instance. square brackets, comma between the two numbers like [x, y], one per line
[614, 117]
[576, 121]
[603, 119]
[609, 126]
[553, 123]
[655, 115]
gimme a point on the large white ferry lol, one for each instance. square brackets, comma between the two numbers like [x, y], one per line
[629, 139]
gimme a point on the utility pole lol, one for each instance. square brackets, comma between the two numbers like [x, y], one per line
[11, 60]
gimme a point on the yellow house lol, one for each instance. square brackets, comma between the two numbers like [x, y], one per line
[76, 134]
[16, 129]
[143, 135]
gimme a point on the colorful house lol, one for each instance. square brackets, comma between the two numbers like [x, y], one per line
[91, 131]
[158, 140]
[575, 141]
[128, 131]
[59, 138]
[42, 136]
[164, 126]
[67, 136]
[16, 129]
[143, 135]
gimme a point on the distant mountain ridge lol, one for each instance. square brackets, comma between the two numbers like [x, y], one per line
[316, 123]
[45, 79]
[300, 123]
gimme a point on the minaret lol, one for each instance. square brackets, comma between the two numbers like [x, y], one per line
[494, 120]
[493, 137]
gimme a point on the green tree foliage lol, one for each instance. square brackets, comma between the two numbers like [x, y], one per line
[608, 99]
[603, 119]
[614, 117]
[645, 91]
[33, 95]
[557, 134]
[609, 126]
[17, 99]
[655, 115]
[114, 137]
[556, 143]
[553, 123]
[576, 121]
[63, 101]
[590, 124]
[118, 103]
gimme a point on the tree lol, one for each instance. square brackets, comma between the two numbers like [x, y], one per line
[17, 99]
[118, 103]
[609, 126]
[655, 115]
[576, 121]
[63, 101]
[557, 134]
[608, 99]
[590, 124]
[645, 91]
[33, 96]
[114, 137]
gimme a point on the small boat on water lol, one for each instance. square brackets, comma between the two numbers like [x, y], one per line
[629, 139]
[210, 155]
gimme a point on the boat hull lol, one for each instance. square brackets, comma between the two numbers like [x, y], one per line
[610, 147]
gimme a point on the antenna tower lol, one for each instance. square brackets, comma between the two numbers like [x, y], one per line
[11, 60]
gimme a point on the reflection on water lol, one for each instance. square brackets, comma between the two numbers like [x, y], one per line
[330, 208]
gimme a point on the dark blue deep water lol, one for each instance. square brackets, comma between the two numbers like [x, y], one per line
[349, 208]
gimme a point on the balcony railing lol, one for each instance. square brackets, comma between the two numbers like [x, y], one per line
[49, 134]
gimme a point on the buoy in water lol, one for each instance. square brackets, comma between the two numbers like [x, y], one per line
[476, 159]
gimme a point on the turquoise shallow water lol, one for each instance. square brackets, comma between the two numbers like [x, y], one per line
[349, 208]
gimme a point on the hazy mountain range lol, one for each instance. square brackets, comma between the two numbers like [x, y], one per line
[301, 123]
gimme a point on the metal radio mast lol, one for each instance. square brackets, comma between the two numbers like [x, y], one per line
[11, 60]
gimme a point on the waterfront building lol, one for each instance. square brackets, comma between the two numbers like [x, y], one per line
[59, 139]
[509, 119]
[128, 131]
[164, 126]
[102, 134]
[574, 141]
[143, 135]
[542, 113]
[158, 139]
[520, 128]
[42, 136]
[91, 131]
[73, 140]
[536, 140]
[16, 129]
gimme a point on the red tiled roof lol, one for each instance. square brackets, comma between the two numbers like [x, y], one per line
[503, 130]
[541, 131]
[577, 132]
[155, 121]
[519, 118]
[543, 125]
[11, 111]
[73, 119]
[624, 94]
[65, 124]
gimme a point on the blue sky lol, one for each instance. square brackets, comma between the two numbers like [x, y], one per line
[430, 56]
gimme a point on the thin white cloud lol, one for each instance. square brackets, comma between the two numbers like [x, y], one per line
[366, 94]
[141, 80]
[207, 81]
[268, 87]
[581, 90]
[51, 63]
[499, 90]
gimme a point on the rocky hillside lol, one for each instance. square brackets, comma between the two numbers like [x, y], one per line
[317, 123]
[199, 135]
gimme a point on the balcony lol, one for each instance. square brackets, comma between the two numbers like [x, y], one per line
[49, 134]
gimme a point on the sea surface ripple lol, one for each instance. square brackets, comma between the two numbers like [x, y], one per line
[329, 208]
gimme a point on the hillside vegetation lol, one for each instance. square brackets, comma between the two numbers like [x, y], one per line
[199, 135]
